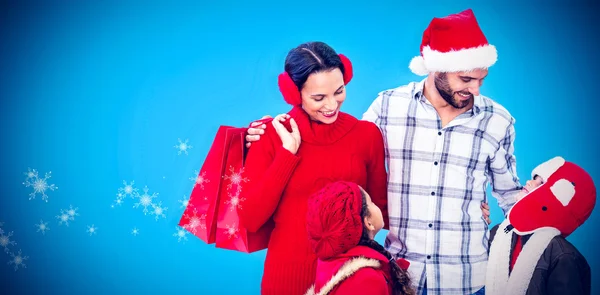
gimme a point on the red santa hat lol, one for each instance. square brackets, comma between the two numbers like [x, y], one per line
[454, 43]
[564, 201]
[333, 220]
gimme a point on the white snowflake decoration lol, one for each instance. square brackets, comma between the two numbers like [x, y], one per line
[184, 202]
[158, 210]
[118, 202]
[72, 212]
[183, 147]
[127, 190]
[39, 185]
[135, 231]
[232, 231]
[195, 221]
[145, 200]
[235, 201]
[180, 234]
[199, 179]
[18, 260]
[5, 241]
[67, 215]
[43, 227]
[92, 230]
[235, 178]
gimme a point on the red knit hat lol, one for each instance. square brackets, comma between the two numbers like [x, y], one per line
[333, 219]
[564, 201]
[454, 43]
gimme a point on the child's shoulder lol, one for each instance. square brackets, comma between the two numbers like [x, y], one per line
[560, 246]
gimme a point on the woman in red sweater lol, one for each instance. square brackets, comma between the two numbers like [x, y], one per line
[299, 153]
[342, 222]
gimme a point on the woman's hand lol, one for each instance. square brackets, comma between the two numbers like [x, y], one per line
[289, 140]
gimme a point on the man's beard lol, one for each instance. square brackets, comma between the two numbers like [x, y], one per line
[443, 87]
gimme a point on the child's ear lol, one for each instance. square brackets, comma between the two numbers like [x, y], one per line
[368, 224]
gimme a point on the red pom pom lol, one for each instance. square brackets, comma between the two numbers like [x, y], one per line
[290, 92]
[347, 68]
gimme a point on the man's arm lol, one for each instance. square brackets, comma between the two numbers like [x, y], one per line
[503, 171]
[374, 111]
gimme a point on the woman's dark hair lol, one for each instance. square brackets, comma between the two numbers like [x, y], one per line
[309, 58]
[401, 283]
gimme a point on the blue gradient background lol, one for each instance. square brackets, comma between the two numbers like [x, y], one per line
[99, 92]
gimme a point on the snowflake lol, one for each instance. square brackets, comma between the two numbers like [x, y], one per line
[145, 200]
[158, 210]
[199, 179]
[184, 202]
[135, 231]
[18, 260]
[127, 190]
[232, 231]
[72, 212]
[5, 241]
[66, 215]
[235, 178]
[195, 221]
[118, 202]
[39, 185]
[1, 230]
[235, 201]
[183, 147]
[43, 227]
[180, 234]
[92, 230]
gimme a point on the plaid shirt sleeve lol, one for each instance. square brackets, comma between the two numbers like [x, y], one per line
[372, 114]
[503, 171]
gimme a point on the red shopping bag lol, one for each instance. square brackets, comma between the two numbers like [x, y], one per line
[200, 215]
[230, 233]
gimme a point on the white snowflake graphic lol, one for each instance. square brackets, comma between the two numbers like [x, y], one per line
[158, 210]
[232, 231]
[127, 190]
[180, 234]
[195, 221]
[135, 231]
[199, 179]
[235, 178]
[235, 201]
[67, 215]
[39, 185]
[183, 146]
[5, 241]
[118, 202]
[145, 200]
[72, 212]
[184, 202]
[43, 227]
[18, 260]
[92, 230]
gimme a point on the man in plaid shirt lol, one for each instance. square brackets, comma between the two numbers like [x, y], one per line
[444, 143]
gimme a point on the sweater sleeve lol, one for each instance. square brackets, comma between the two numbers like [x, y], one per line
[376, 173]
[267, 168]
[364, 281]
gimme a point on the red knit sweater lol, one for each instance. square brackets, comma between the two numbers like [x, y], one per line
[280, 183]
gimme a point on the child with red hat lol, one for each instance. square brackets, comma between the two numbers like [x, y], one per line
[528, 251]
[342, 222]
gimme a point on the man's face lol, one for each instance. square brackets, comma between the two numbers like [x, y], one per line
[458, 89]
